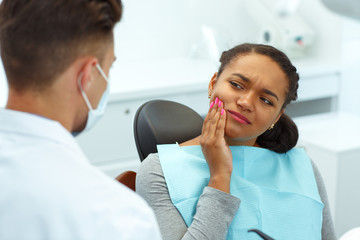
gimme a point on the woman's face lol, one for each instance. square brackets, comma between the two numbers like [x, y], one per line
[252, 88]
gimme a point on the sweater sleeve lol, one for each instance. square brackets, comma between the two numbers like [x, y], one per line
[151, 185]
[327, 230]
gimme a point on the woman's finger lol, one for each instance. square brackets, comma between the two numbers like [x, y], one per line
[220, 132]
[210, 116]
[206, 120]
[214, 123]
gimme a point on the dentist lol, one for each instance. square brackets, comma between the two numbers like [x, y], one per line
[57, 55]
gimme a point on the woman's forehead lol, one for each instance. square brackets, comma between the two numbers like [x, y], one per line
[255, 64]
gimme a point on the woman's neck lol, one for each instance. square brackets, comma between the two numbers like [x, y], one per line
[238, 142]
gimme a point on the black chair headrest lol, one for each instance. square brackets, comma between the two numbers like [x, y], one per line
[164, 122]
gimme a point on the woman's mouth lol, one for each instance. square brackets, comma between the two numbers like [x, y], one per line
[238, 117]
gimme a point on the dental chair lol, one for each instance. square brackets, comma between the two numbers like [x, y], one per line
[161, 122]
[128, 179]
[164, 122]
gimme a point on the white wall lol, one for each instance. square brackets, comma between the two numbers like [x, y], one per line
[158, 29]
[349, 96]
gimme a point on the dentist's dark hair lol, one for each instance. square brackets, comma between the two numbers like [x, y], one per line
[284, 135]
[40, 39]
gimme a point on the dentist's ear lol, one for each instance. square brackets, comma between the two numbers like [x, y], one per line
[79, 80]
[85, 78]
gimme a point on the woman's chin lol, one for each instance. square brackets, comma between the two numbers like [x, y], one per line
[231, 134]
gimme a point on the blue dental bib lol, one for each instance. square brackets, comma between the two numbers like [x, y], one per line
[278, 191]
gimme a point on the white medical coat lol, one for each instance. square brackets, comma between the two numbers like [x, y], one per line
[49, 190]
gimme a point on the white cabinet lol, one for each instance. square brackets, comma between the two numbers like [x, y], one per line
[332, 142]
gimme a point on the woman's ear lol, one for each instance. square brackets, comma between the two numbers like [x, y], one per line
[279, 116]
[212, 83]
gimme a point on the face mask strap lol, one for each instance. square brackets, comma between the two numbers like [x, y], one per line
[82, 90]
[102, 72]
[83, 93]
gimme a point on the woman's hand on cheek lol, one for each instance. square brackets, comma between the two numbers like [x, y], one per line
[215, 149]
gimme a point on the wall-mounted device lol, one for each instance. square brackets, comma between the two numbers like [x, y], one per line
[281, 26]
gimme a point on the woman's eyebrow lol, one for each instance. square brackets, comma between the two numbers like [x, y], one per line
[265, 90]
[242, 77]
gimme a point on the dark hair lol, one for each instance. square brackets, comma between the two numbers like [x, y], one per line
[40, 39]
[284, 135]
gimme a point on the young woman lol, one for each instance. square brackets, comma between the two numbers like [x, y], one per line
[243, 171]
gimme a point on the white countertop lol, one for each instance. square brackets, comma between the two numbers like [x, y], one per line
[335, 132]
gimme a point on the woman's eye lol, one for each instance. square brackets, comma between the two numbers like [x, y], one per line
[267, 101]
[236, 84]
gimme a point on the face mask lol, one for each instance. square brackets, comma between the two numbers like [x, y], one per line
[94, 115]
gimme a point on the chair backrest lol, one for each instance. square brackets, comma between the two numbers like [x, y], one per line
[164, 122]
[128, 179]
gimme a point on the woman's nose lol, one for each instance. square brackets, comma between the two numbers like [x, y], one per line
[246, 102]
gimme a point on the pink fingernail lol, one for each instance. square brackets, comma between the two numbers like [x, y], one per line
[212, 104]
[220, 102]
[216, 100]
[222, 111]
